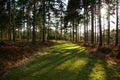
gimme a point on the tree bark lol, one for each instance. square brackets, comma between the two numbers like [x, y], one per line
[116, 41]
[33, 33]
[43, 37]
[92, 24]
[108, 18]
[14, 21]
[100, 27]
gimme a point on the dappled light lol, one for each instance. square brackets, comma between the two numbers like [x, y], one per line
[98, 72]
[64, 61]
[59, 39]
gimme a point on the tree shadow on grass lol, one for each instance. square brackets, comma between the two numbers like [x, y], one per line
[61, 62]
[113, 73]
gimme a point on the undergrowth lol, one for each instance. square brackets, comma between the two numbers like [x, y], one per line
[13, 53]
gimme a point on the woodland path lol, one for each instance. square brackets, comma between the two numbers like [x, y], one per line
[64, 61]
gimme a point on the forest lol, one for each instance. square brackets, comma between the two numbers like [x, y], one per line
[59, 39]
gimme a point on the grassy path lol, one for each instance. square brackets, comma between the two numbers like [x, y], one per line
[64, 61]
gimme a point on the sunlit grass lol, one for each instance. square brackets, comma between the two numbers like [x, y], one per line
[64, 61]
[98, 72]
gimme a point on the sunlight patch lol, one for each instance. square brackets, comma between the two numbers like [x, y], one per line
[98, 72]
[78, 64]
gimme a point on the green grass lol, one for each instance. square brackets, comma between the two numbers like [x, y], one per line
[64, 61]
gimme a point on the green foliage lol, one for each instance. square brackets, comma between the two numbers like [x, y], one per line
[64, 61]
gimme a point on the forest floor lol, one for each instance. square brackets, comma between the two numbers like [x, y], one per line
[62, 61]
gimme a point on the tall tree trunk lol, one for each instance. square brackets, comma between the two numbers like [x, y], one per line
[43, 37]
[14, 20]
[87, 37]
[61, 27]
[34, 14]
[108, 18]
[23, 16]
[9, 29]
[116, 41]
[100, 27]
[92, 24]
[61, 19]
[48, 37]
[95, 30]
[85, 27]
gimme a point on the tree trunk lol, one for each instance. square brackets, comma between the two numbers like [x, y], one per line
[92, 24]
[43, 37]
[34, 14]
[61, 19]
[116, 41]
[85, 27]
[9, 28]
[14, 21]
[73, 29]
[70, 34]
[76, 33]
[108, 18]
[100, 27]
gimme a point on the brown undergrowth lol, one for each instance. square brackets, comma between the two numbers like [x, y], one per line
[18, 52]
[105, 52]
